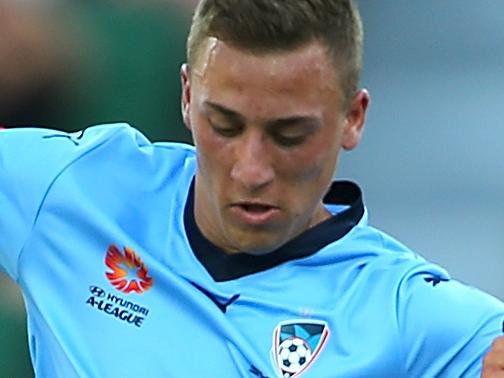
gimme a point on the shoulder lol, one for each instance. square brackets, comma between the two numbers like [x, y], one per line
[51, 151]
[443, 325]
[114, 153]
[122, 141]
[102, 135]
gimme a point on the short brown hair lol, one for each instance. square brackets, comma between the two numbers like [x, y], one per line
[266, 26]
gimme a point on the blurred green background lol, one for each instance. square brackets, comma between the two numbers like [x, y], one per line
[70, 64]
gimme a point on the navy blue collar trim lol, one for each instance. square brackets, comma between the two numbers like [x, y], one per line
[223, 266]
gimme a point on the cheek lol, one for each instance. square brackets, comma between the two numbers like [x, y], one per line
[310, 165]
[213, 156]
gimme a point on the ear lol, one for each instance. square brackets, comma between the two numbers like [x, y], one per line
[186, 94]
[355, 119]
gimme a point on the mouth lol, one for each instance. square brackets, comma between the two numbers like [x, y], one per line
[255, 207]
[255, 213]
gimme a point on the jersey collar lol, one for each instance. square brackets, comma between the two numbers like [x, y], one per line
[223, 266]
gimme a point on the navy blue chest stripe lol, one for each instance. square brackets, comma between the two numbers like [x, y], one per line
[222, 305]
[223, 266]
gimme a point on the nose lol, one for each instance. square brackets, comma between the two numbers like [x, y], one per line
[253, 164]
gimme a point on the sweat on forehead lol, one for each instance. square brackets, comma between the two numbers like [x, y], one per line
[310, 59]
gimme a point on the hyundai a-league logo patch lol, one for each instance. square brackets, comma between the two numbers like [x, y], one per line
[297, 344]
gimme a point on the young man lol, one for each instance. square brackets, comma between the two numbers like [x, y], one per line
[238, 258]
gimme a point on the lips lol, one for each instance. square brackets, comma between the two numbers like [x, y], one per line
[255, 208]
[255, 213]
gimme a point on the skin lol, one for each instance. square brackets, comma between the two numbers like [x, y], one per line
[493, 363]
[268, 129]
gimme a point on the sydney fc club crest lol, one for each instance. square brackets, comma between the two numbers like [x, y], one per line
[297, 344]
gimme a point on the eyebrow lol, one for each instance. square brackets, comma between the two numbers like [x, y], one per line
[278, 122]
[231, 114]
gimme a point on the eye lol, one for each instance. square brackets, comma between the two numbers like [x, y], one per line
[225, 131]
[288, 140]
[291, 138]
[291, 133]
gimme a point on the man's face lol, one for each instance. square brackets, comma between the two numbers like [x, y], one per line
[268, 129]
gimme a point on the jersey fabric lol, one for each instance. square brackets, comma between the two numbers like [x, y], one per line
[97, 228]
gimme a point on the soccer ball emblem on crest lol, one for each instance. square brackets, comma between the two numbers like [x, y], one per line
[294, 352]
[297, 344]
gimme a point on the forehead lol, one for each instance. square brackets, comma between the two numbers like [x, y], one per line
[306, 73]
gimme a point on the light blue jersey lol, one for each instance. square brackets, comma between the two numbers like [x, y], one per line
[97, 228]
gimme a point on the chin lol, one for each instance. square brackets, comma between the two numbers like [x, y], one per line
[257, 248]
[255, 241]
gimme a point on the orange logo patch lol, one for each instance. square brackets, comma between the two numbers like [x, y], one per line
[128, 271]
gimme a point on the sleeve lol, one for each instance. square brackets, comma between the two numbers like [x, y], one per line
[446, 326]
[30, 160]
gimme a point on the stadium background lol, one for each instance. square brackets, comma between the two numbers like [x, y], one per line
[430, 162]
